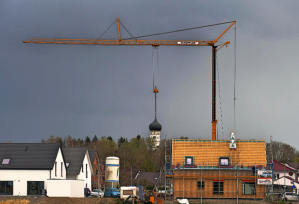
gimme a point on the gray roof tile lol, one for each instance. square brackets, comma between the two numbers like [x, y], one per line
[28, 155]
[74, 156]
[92, 154]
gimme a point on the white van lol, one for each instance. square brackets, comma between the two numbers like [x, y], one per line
[126, 191]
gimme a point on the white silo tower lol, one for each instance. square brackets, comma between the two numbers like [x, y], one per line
[112, 172]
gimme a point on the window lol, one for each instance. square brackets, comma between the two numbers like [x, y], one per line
[224, 161]
[86, 170]
[218, 187]
[67, 164]
[200, 184]
[35, 187]
[97, 171]
[248, 188]
[128, 192]
[82, 168]
[6, 187]
[55, 168]
[61, 169]
[5, 161]
[189, 160]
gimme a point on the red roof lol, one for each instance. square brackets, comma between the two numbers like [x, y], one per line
[277, 166]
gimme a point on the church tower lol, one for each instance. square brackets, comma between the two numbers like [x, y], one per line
[155, 127]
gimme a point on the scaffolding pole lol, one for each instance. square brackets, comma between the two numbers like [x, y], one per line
[237, 190]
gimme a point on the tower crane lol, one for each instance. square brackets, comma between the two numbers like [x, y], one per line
[137, 41]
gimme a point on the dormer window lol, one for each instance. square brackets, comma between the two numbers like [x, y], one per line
[5, 161]
[189, 161]
[223, 161]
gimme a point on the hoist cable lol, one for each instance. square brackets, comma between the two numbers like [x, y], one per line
[153, 64]
[158, 67]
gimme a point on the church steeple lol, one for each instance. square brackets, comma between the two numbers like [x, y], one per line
[155, 127]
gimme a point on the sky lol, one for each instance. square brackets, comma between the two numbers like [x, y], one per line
[81, 90]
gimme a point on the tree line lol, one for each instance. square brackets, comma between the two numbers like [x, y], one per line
[136, 154]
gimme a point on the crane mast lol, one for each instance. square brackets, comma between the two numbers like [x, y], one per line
[136, 41]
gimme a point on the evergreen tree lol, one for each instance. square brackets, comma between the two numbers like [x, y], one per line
[87, 140]
[94, 139]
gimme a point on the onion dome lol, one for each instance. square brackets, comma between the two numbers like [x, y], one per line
[155, 126]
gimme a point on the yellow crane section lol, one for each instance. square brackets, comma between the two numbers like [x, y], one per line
[130, 41]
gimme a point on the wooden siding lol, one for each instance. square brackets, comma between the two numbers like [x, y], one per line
[185, 184]
[208, 152]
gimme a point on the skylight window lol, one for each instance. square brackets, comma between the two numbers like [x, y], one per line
[5, 161]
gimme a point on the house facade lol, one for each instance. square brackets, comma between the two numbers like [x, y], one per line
[283, 170]
[44, 169]
[285, 177]
[218, 169]
[97, 180]
[78, 164]
[25, 168]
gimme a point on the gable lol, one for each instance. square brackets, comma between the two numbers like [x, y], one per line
[93, 155]
[89, 162]
[73, 157]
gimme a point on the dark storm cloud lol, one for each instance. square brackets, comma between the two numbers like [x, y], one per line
[87, 90]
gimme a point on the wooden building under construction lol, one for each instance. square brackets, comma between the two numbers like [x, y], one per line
[218, 168]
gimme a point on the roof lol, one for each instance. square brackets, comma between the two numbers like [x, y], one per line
[92, 155]
[28, 155]
[207, 152]
[293, 165]
[155, 126]
[74, 156]
[277, 166]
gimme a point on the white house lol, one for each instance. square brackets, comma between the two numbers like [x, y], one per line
[40, 168]
[282, 170]
[78, 164]
[285, 177]
[25, 167]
